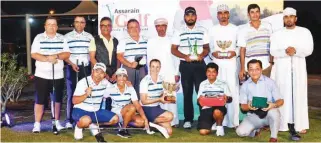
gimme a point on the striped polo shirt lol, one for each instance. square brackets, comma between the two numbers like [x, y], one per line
[119, 100]
[91, 103]
[132, 48]
[152, 89]
[44, 45]
[78, 44]
[186, 38]
[218, 87]
[256, 42]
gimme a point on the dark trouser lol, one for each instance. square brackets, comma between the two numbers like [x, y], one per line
[71, 77]
[135, 76]
[192, 73]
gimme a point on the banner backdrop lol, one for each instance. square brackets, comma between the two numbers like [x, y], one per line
[146, 11]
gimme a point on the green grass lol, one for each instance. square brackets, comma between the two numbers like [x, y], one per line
[180, 135]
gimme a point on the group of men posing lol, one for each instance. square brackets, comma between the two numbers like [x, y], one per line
[202, 59]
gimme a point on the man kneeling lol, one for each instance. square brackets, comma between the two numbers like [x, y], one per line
[259, 86]
[151, 95]
[87, 101]
[122, 96]
[212, 114]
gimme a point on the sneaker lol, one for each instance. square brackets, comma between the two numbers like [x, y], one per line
[187, 125]
[128, 134]
[59, 126]
[122, 133]
[99, 138]
[161, 129]
[220, 131]
[36, 127]
[78, 133]
[255, 133]
[68, 125]
[213, 127]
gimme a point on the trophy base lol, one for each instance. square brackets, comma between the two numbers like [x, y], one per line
[223, 54]
[193, 57]
[170, 98]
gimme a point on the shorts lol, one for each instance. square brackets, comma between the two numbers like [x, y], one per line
[103, 116]
[44, 88]
[152, 113]
[206, 120]
[117, 111]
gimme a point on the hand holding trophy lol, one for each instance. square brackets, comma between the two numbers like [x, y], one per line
[170, 87]
[223, 45]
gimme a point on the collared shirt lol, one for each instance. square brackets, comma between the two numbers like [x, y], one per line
[119, 100]
[265, 87]
[151, 88]
[218, 87]
[78, 44]
[132, 48]
[187, 38]
[45, 45]
[109, 45]
[91, 103]
[256, 42]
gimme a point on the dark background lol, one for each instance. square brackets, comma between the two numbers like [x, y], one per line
[13, 29]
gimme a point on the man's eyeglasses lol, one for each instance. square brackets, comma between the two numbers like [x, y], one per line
[81, 22]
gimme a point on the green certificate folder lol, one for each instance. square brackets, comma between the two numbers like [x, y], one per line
[259, 102]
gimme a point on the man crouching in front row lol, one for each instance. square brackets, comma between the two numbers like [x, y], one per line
[87, 99]
[212, 96]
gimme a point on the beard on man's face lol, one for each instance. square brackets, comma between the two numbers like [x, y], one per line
[190, 22]
[289, 24]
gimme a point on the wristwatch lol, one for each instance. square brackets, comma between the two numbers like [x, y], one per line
[271, 63]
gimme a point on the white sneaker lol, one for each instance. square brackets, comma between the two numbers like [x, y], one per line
[213, 127]
[59, 126]
[36, 127]
[220, 131]
[78, 133]
[68, 125]
[160, 129]
[187, 125]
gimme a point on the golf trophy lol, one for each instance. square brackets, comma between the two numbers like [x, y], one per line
[192, 49]
[170, 91]
[223, 45]
[212, 99]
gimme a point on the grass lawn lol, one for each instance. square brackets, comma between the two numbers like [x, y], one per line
[180, 135]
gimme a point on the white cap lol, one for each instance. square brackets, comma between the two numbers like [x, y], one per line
[121, 71]
[100, 66]
[289, 11]
[161, 21]
[222, 7]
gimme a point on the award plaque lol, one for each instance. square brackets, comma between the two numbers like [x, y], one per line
[259, 102]
[169, 91]
[223, 45]
[192, 49]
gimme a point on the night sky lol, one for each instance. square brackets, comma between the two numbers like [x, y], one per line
[13, 30]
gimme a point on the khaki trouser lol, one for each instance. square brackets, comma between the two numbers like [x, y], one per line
[267, 71]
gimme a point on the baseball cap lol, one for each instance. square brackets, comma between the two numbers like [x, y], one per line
[100, 66]
[190, 10]
[121, 71]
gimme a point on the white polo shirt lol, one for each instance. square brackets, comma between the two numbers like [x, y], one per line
[132, 48]
[186, 37]
[256, 42]
[44, 45]
[119, 100]
[91, 103]
[219, 87]
[78, 44]
[152, 89]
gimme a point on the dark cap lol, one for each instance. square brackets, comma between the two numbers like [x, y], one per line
[190, 10]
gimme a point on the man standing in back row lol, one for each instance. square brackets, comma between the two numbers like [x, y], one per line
[190, 44]
[290, 46]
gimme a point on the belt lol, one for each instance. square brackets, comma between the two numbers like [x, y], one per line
[194, 62]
